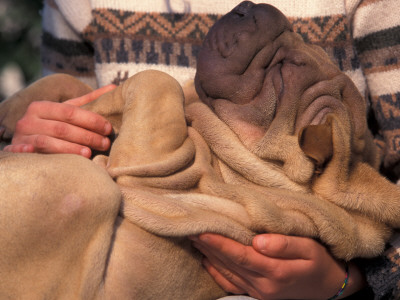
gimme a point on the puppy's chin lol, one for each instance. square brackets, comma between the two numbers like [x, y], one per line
[243, 120]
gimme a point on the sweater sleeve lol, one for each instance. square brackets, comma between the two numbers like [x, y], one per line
[383, 273]
[63, 49]
[376, 34]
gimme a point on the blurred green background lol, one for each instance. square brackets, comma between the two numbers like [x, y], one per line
[20, 33]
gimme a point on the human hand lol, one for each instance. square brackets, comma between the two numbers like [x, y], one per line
[276, 267]
[50, 127]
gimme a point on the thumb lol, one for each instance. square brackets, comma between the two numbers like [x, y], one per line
[283, 246]
[91, 96]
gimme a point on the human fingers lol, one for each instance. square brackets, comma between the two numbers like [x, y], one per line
[19, 148]
[237, 268]
[239, 257]
[286, 247]
[304, 262]
[61, 128]
[223, 277]
[65, 113]
[61, 131]
[91, 96]
[49, 145]
[221, 271]
[289, 275]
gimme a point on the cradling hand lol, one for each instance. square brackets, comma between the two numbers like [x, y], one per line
[276, 267]
[50, 127]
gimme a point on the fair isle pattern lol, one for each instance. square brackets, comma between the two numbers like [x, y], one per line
[62, 56]
[175, 39]
[381, 60]
[380, 51]
[323, 31]
[389, 107]
[332, 34]
[63, 50]
[168, 27]
[168, 42]
[193, 28]
[125, 50]
[377, 43]
[387, 113]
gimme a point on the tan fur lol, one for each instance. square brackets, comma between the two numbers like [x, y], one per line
[181, 170]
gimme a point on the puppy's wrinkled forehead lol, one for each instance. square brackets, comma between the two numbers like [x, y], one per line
[232, 44]
[249, 27]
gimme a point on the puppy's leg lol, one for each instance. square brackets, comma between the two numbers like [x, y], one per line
[153, 139]
[57, 214]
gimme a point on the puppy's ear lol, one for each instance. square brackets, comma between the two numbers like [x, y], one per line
[316, 143]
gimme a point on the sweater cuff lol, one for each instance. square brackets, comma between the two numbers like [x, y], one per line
[383, 273]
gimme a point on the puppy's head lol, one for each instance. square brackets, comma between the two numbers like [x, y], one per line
[266, 83]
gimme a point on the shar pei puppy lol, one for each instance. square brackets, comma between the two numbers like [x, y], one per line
[276, 141]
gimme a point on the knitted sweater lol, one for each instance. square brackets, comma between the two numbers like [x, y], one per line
[106, 41]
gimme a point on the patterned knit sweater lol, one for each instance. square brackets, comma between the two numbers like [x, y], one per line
[106, 41]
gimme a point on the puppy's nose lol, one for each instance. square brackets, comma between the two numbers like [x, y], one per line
[243, 8]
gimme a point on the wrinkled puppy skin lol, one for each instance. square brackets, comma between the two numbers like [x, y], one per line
[270, 93]
[267, 84]
[290, 105]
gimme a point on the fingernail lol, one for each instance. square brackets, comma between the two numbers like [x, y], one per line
[204, 238]
[85, 152]
[193, 237]
[260, 242]
[25, 148]
[105, 143]
[107, 128]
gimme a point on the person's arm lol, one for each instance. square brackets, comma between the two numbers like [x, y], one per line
[376, 36]
[376, 33]
[49, 127]
[64, 46]
[276, 267]
[383, 272]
